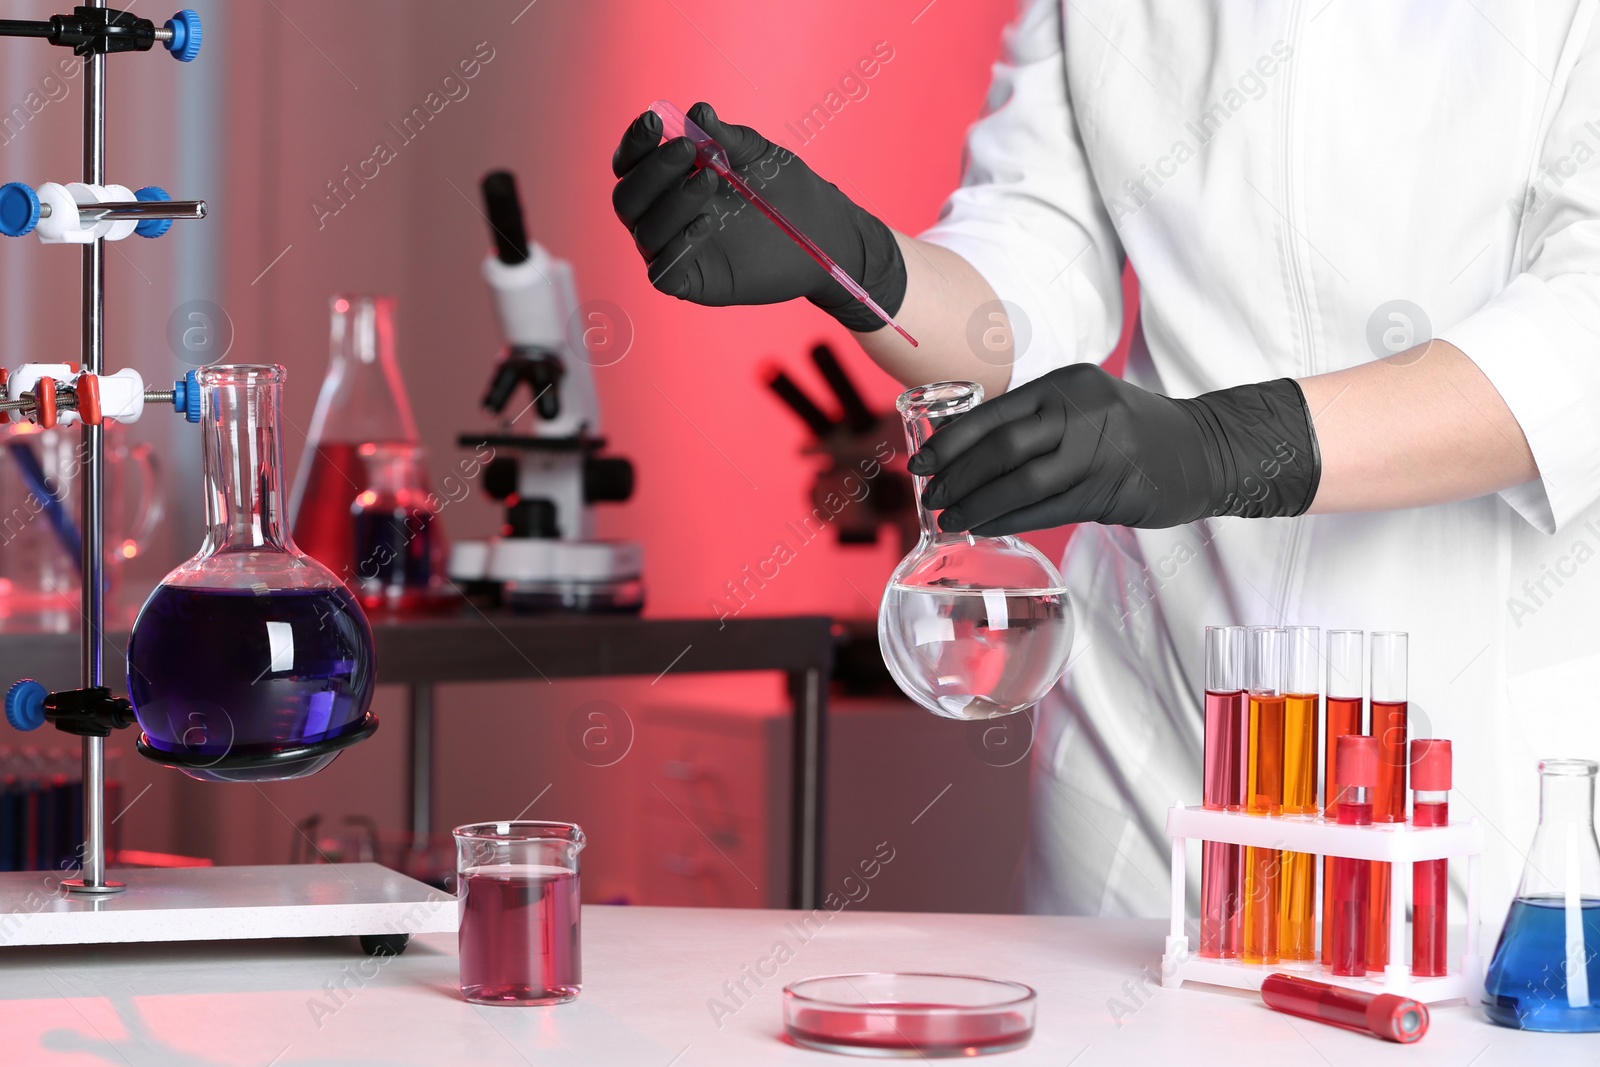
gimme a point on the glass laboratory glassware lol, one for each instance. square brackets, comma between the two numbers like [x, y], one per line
[1297, 882]
[363, 402]
[1343, 700]
[250, 662]
[1430, 879]
[399, 555]
[970, 627]
[1222, 863]
[40, 545]
[517, 883]
[1346, 917]
[1386, 696]
[1263, 788]
[909, 1016]
[1545, 974]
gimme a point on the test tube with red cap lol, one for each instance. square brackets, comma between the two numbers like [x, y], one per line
[1358, 773]
[1387, 700]
[1221, 863]
[1430, 879]
[1385, 1015]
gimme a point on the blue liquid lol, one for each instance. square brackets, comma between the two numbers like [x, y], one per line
[227, 674]
[1527, 983]
[394, 546]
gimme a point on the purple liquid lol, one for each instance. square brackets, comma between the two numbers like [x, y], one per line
[393, 546]
[228, 673]
[519, 935]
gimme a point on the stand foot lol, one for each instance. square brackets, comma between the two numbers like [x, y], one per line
[384, 944]
[106, 888]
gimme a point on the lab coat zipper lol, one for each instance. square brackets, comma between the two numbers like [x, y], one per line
[1289, 563]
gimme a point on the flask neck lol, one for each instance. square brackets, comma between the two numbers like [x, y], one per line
[242, 452]
[924, 410]
[1566, 794]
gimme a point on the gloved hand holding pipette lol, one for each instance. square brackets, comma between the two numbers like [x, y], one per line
[705, 243]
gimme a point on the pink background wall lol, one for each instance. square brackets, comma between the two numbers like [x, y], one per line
[289, 94]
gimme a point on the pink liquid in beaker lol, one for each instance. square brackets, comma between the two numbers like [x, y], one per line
[519, 935]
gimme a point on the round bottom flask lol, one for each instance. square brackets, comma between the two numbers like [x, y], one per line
[970, 627]
[251, 662]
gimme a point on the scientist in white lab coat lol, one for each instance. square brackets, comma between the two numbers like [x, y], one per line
[1368, 243]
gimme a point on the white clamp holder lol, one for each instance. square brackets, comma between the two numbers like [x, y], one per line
[80, 214]
[51, 394]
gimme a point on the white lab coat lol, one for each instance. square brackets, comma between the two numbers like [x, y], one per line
[1278, 173]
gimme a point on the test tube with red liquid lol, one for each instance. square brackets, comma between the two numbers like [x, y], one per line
[1267, 661]
[1430, 879]
[1221, 863]
[1297, 880]
[1345, 683]
[1383, 1015]
[1387, 696]
[1352, 878]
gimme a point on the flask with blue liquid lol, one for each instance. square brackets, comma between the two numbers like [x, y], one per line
[1545, 974]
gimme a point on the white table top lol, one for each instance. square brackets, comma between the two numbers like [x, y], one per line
[650, 974]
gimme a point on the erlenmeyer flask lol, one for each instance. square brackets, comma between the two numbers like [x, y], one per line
[970, 627]
[1545, 974]
[363, 403]
[251, 662]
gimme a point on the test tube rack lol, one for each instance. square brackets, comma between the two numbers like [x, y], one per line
[1400, 844]
[381, 906]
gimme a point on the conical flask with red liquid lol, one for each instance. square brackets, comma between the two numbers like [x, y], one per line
[347, 508]
[250, 662]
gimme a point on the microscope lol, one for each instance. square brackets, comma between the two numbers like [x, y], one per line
[544, 461]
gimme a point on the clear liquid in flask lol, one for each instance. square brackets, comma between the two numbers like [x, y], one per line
[977, 653]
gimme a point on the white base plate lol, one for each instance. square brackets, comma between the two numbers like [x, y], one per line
[223, 904]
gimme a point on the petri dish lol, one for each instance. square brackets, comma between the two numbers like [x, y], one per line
[908, 1015]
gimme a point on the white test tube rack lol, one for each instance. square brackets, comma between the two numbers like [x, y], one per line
[1400, 844]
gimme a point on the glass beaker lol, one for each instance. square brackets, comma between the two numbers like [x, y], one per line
[517, 883]
[250, 662]
[970, 627]
[1545, 974]
[363, 402]
[40, 504]
[398, 546]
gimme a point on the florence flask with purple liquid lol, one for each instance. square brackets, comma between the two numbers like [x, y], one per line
[251, 662]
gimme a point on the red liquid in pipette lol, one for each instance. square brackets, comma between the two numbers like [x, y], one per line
[674, 124]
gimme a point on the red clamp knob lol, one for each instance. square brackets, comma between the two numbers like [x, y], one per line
[44, 402]
[88, 389]
[5, 376]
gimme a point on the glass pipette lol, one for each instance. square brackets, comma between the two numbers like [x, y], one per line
[708, 153]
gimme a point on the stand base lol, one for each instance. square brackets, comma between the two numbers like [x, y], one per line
[223, 904]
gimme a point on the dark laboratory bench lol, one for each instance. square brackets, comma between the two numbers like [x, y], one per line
[495, 646]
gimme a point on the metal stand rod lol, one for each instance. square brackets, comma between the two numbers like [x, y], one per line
[93, 878]
[421, 763]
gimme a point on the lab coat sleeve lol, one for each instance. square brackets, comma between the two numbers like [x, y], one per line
[1028, 215]
[1538, 339]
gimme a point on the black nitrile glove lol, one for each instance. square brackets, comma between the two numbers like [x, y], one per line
[705, 244]
[1079, 445]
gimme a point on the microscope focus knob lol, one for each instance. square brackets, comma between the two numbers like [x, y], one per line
[19, 209]
[185, 42]
[25, 705]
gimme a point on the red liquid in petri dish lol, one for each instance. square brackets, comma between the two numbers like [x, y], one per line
[519, 935]
[898, 1029]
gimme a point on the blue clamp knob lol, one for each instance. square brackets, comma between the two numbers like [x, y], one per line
[185, 42]
[152, 227]
[25, 704]
[186, 397]
[19, 209]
